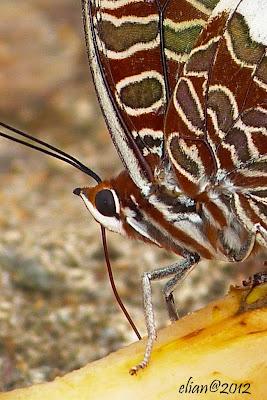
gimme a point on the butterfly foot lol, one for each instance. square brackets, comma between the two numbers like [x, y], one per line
[144, 363]
[136, 368]
[171, 307]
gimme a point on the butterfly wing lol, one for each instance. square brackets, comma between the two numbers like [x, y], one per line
[136, 50]
[216, 121]
[238, 111]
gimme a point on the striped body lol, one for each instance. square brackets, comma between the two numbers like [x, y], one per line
[183, 88]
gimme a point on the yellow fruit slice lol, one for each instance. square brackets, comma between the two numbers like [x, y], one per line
[217, 350]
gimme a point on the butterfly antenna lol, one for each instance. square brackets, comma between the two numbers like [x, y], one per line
[53, 151]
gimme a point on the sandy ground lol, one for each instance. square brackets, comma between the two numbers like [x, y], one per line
[57, 311]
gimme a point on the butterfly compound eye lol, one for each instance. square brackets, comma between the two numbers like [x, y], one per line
[105, 203]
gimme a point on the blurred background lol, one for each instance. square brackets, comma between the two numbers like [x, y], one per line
[57, 311]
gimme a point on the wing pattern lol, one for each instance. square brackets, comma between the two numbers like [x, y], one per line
[136, 51]
[216, 125]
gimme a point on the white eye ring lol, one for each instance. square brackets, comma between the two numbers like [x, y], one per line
[116, 201]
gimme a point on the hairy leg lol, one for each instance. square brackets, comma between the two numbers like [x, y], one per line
[179, 270]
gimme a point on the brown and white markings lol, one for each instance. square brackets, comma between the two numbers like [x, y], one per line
[185, 102]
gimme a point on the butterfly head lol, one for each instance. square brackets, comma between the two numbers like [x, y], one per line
[115, 204]
[103, 203]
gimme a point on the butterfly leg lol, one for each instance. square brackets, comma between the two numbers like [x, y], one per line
[262, 231]
[181, 272]
[178, 269]
[245, 250]
[170, 303]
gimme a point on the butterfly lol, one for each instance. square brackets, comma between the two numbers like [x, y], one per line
[182, 86]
